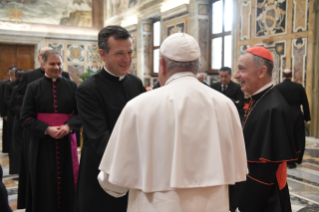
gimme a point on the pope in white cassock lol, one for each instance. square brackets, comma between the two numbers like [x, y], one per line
[176, 148]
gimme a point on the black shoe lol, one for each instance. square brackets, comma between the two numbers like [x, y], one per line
[291, 166]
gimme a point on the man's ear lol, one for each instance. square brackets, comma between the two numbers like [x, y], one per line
[102, 53]
[162, 66]
[262, 72]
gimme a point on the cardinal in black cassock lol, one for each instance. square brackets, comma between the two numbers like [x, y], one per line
[27, 78]
[100, 100]
[49, 114]
[268, 129]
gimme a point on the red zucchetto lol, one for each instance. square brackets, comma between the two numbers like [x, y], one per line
[261, 52]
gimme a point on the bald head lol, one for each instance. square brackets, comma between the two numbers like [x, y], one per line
[287, 74]
[41, 52]
[200, 77]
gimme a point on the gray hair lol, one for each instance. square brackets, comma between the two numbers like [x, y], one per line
[259, 62]
[175, 65]
[46, 54]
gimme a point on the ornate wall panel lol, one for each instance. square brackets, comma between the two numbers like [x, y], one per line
[203, 43]
[75, 53]
[147, 53]
[175, 25]
[299, 60]
[270, 17]
[300, 15]
[93, 55]
[245, 20]
[134, 55]
[278, 51]
[244, 47]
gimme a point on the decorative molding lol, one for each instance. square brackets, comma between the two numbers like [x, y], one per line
[177, 11]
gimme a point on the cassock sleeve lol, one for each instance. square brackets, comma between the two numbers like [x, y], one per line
[15, 108]
[28, 115]
[22, 87]
[305, 105]
[75, 121]
[94, 123]
[113, 190]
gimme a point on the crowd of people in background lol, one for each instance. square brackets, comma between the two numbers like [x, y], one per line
[185, 146]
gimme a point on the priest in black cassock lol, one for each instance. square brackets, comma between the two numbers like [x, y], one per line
[230, 89]
[50, 115]
[15, 145]
[296, 96]
[4, 110]
[100, 101]
[4, 205]
[269, 138]
[27, 78]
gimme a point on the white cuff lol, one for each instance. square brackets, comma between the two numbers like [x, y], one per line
[113, 190]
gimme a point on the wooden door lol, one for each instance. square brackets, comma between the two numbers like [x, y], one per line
[22, 56]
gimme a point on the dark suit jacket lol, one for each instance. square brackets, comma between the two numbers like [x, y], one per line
[3, 107]
[295, 95]
[234, 93]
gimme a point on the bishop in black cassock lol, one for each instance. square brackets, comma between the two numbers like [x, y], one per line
[269, 137]
[100, 101]
[49, 114]
[295, 96]
[27, 78]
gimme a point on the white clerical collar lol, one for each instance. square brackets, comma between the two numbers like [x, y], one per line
[53, 79]
[179, 75]
[120, 77]
[268, 85]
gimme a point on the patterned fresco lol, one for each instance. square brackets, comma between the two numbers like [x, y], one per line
[270, 17]
[75, 53]
[278, 51]
[74, 70]
[203, 43]
[241, 48]
[172, 29]
[57, 12]
[298, 60]
[93, 53]
[300, 15]
[116, 7]
[245, 16]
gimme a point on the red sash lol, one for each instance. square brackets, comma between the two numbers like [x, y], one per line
[58, 119]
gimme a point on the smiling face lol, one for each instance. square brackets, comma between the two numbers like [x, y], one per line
[118, 59]
[53, 66]
[247, 74]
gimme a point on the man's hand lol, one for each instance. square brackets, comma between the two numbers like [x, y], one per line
[63, 131]
[53, 131]
[5, 118]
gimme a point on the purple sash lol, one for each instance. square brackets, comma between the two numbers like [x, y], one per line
[58, 119]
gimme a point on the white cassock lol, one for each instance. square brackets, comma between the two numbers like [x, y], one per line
[176, 148]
